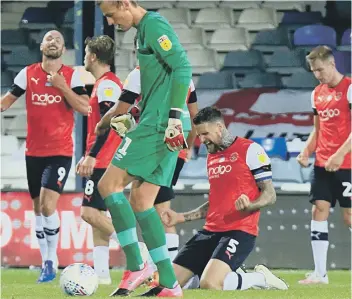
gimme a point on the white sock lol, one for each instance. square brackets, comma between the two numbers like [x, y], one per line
[114, 237]
[146, 256]
[320, 245]
[244, 281]
[101, 261]
[192, 283]
[172, 243]
[51, 230]
[43, 244]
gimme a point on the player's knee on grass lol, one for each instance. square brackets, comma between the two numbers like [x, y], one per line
[347, 215]
[48, 199]
[214, 275]
[320, 210]
[183, 275]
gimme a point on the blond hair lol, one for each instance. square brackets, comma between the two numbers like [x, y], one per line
[322, 52]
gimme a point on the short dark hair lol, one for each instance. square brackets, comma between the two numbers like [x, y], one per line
[207, 115]
[103, 47]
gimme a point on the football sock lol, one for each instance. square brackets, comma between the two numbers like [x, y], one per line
[124, 223]
[51, 230]
[101, 261]
[320, 245]
[244, 281]
[154, 237]
[172, 243]
[43, 244]
[114, 237]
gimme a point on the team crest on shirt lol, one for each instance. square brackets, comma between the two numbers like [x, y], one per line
[165, 43]
[233, 157]
[338, 96]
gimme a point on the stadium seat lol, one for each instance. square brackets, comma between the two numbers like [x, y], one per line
[18, 126]
[218, 80]
[124, 60]
[177, 17]
[69, 18]
[345, 44]
[9, 145]
[256, 19]
[319, 6]
[301, 80]
[229, 39]
[274, 147]
[259, 80]
[301, 18]
[196, 169]
[21, 57]
[59, 9]
[6, 79]
[314, 35]
[191, 39]
[156, 4]
[37, 18]
[13, 169]
[286, 171]
[244, 61]
[343, 61]
[239, 5]
[284, 5]
[69, 58]
[203, 61]
[127, 41]
[195, 4]
[286, 62]
[214, 18]
[13, 38]
[271, 39]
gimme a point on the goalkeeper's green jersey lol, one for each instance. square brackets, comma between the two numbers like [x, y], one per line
[164, 69]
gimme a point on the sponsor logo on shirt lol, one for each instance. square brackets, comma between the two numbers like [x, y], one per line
[262, 158]
[108, 92]
[45, 99]
[216, 172]
[328, 114]
[165, 43]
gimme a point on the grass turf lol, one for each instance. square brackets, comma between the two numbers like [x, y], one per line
[20, 284]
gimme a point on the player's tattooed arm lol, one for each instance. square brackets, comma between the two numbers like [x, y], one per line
[226, 139]
[267, 196]
[198, 213]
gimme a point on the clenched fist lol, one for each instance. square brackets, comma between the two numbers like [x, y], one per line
[242, 203]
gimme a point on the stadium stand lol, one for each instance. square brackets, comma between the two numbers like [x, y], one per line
[231, 44]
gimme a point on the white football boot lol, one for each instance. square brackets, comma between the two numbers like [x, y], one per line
[272, 282]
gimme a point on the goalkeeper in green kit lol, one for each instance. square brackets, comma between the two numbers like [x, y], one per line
[148, 153]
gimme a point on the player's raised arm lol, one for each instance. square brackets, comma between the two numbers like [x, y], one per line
[164, 42]
[74, 93]
[17, 89]
[192, 106]
[259, 164]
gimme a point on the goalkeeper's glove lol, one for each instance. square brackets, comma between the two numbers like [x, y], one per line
[174, 137]
[122, 124]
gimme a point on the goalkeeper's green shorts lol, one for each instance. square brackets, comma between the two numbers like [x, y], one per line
[143, 154]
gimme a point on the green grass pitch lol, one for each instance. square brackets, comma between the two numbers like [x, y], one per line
[20, 284]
